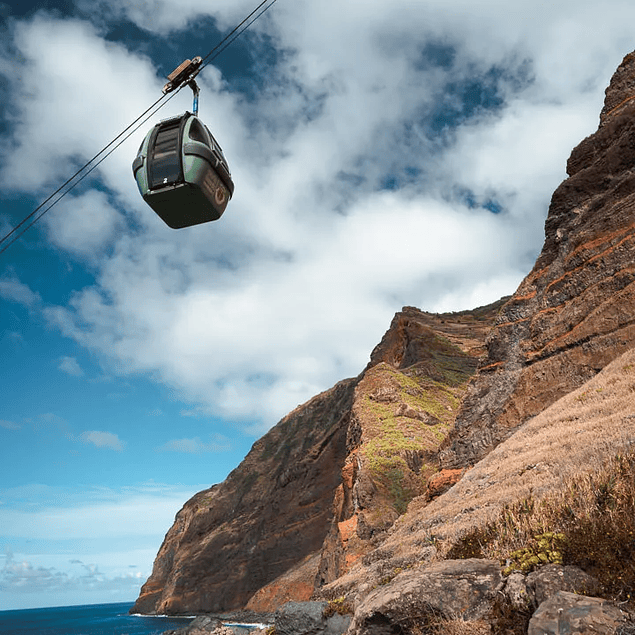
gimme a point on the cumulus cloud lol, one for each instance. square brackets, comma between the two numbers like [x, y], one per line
[400, 155]
[77, 111]
[70, 366]
[84, 225]
[100, 439]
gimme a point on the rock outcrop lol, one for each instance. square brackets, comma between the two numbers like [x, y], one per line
[453, 588]
[571, 613]
[575, 311]
[315, 492]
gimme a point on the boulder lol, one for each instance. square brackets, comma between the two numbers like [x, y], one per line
[452, 589]
[548, 580]
[570, 613]
[201, 625]
[516, 592]
[529, 591]
[442, 481]
[309, 618]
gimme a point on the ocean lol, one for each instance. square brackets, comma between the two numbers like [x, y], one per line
[94, 619]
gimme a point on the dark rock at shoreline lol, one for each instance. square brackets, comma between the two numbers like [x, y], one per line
[222, 625]
[309, 618]
[201, 625]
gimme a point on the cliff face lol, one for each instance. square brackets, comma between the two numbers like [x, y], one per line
[318, 490]
[270, 512]
[345, 492]
[575, 311]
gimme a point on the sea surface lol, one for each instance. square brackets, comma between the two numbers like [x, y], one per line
[93, 619]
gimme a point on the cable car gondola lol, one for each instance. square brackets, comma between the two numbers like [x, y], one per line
[180, 168]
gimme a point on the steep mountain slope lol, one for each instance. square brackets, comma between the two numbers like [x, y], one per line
[315, 493]
[575, 311]
[270, 512]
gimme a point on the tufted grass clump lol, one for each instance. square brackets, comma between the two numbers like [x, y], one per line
[589, 523]
[338, 606]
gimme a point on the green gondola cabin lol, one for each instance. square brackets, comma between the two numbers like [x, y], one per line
[181, 172]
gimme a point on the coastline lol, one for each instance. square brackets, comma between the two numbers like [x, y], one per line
[237, 622]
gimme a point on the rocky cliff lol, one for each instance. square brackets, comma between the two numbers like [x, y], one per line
[575, 311]
[315, 492]
[551, 401]
[359, 494]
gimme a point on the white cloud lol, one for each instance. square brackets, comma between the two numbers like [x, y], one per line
[70, 366]
[9, 425]
[103, 440]
[69, 115]
[196, 446]
[84, 225]
[292, 288]
[15, 291]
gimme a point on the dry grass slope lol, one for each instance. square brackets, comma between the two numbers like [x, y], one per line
[549, 467]
[590, 523]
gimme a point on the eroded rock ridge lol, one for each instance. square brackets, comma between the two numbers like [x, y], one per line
[575, 311]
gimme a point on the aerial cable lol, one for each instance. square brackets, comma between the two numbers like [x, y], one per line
[92, 164]
[85, 171]
[72, 178]
[224, 43]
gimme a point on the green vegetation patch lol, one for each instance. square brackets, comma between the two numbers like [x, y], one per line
[393, 437]
[543, 549]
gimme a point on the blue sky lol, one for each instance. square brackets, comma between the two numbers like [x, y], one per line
[384, 154]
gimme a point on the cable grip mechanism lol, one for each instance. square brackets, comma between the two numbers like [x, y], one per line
[183, 74]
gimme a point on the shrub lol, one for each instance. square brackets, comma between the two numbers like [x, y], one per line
[338, 606]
